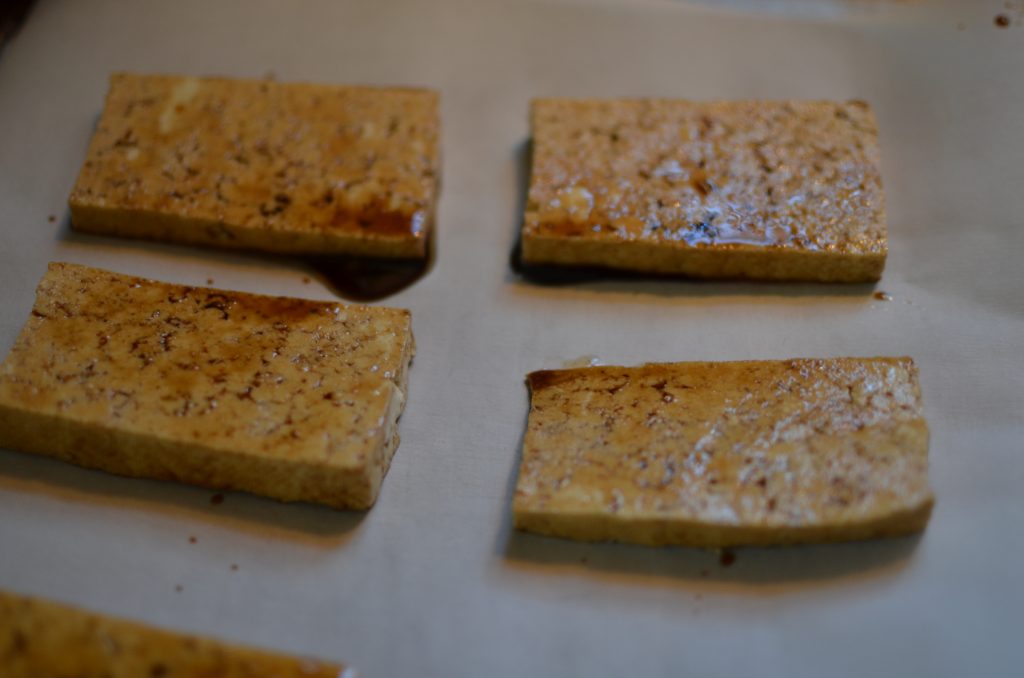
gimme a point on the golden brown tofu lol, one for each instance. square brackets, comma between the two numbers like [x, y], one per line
[727, 189]
[726, 454]
[263, 165]
[42, 639]
[287, 398]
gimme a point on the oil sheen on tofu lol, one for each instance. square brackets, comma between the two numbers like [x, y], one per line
[721, 454]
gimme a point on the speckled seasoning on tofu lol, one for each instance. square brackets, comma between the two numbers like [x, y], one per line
[287, 398]
[39, 638]
[774, 190]
[253, 164]
[726, 454]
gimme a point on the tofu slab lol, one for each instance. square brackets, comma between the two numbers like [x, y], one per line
[263, 165]
[726, 454]
[39, 638]
[287, 398]
[772, 190]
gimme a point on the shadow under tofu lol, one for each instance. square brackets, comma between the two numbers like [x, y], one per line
[369, 278]
[12, 17]
[312, 525]
[760, 569]
[742, 568]
[601, 279]
[355, 279]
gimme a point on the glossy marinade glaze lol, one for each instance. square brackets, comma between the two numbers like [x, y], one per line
[762, 189]
[293, 399]
[281, 167]
[719, 454]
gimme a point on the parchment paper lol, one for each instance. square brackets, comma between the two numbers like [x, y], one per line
[432, 581]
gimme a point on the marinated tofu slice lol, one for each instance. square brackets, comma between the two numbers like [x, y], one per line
[256, 164]
[287, 398]
[772, 190]
[40, 638]
[726, 454]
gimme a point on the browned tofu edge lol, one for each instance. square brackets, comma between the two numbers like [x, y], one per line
[734, 262]
[597, 527]
[165, 227]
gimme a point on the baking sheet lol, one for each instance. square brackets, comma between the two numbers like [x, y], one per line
[432, 581]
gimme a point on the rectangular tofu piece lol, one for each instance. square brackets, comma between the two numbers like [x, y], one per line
[770, 190]
[256, 164]
[40, 638]
[726, 454]
[287, 398]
